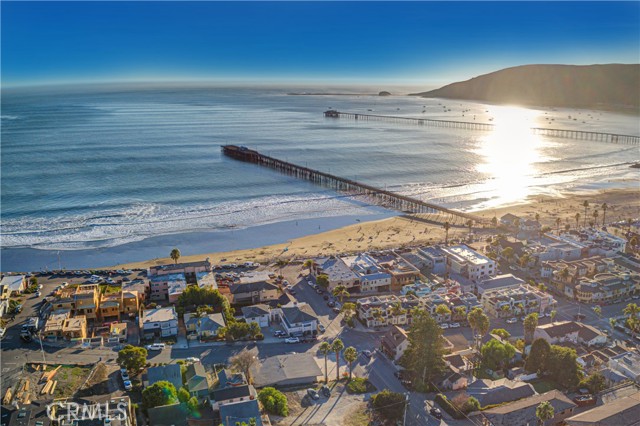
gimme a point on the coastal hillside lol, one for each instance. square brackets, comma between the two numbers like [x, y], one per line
[608, 87]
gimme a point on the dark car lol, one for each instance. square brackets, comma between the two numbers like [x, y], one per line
[435, 412]
[331, 304]
[326, 297]
[336, 310]
[579, 317]
[326, 391]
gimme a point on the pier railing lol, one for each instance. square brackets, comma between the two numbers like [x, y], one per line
[378, 196]
[556, 133]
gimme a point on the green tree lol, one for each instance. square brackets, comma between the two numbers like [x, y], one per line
[175, 255]
[604, 212]
[341, 292]
[537, 359]
[322, 280]
[349, 310]
[586, 206]
[158, 394]
[308, 264]
[325, 349]
[192, 404]
[598, 311]
[426, 348]
[577, 217]
[443, 310]
[504, 334]
[494, 221]
[595, 382]
[530, 323]
[507, 253]
[337, 346]
[558, 223]
[274, 401]
[544, 411]
[595, 216]
[350, 355]
[133, 358]
[553, 315]
[183, 395]
[254, 329]
[496, 355]
[446, 227]
[562, 366]
[389, 404]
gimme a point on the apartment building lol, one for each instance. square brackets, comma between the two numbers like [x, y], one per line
[519, 301]
[465, 261]
[372, 276]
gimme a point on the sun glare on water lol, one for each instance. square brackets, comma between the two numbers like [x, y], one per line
[509, 155]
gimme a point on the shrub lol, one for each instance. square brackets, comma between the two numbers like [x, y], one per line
[274, 401]
[259, 336]
[359, 385]
[389, 404]
[448, 406]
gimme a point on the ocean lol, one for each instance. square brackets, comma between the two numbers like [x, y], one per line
[94, 172]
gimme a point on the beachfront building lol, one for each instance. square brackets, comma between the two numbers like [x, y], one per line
[53, 327]
[13, 285]
[509, 220]
[379, 311]
[373, 277]
[519, 301]
[596, 242]
[337, 272]
[112, 305]
[580, 268]
[530, 226]
[463, 260]
[75, 327]
[250, 293]
[159, 322]
[435, 257]
[570, 332]
[87, 301]
[168, 282]
[401, 271]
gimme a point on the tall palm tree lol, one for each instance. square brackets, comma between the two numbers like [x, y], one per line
[494, 221]
[558, 222]
[595, 216]
[308, 264]
[604, 212]
[479, 322]
[446, 227]
[340, 292]
[325, 348]
[337, 346]
[577, 216]
[350, 355]
[175, 255]
[586, 206]
[544, 412]
[530, 323]
[469, 224]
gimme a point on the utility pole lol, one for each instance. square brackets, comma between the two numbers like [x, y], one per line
[406, 403]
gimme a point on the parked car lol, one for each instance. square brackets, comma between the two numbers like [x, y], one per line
[292, 291]
[310, 283]
[435, 412]
[325, 391]
[292, 340]
[38, 293]
[155, 347]
[193, 359]
[512, 320]
[279, 333]
[326, 297]
[128, 385]
[444, 326]
[367, 353]
[319, 290]
[454, 325]
[321, 328]
[124, 374]
[336, 310]
[313, 394]
[331, 304]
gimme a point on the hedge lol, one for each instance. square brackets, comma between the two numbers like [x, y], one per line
[448, 406]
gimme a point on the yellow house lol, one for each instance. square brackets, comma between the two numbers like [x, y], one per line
[87, 301]
[75, 328]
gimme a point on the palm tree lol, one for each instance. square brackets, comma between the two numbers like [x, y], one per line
[443, 310]
[586, 206]
[577, 216]
[460, 311]
[530, 323]
[494, 221]
[544, 412]
[612, 323]
[631, 311]
[469, 224]
[324, 349]
[479, 322]
[308, 264]
[340, 292]
[175, 255]
[397, 309]
[595, 216]
[598, 311]
[337, 346]
[446, 226]
[506, 308]
[537, 216]
[604, 212]
[558, 222]
[350, 355]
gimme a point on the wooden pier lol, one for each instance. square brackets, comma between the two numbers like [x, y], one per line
[556, 133]
[377, 196]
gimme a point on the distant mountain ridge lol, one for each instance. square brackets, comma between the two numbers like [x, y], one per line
[608, 86]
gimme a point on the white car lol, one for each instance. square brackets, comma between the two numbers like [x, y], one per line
[193, 359]
[548, 315]
[310, 283]
[454, 325]
[321, 328]
[292, 340]
[512, 320]
[444, 326]
[155, 347]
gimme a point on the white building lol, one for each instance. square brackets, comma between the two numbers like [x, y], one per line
[570, 332]
[373, 278]
[297, 319]
[259, 314]
[337, 271]
[160, 322]
[628, 364]
[470, 264]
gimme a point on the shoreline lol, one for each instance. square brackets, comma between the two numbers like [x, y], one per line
[300, 238]
[404, 231]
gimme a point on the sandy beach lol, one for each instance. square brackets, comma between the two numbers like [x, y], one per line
[403, 231]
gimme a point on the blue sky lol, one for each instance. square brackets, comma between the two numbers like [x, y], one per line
[366, 42]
